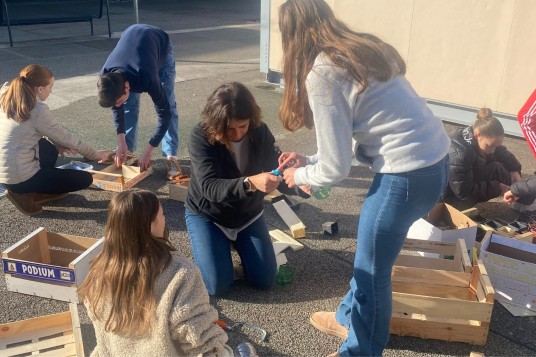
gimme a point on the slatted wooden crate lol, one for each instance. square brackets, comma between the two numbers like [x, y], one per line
[116, 179]
[48, 264]
[56, 335]
[441, 298]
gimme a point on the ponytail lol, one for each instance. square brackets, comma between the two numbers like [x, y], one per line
[487, 124]
[21, 97]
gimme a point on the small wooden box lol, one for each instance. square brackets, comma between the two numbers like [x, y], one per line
[438, 298]
[51, 265]
[119, 179]
[55, 335]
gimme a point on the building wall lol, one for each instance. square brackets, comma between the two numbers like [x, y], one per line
[470, 53]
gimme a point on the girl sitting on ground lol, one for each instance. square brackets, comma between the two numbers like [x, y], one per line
[30, 141]
[481, 168]
[143, 297]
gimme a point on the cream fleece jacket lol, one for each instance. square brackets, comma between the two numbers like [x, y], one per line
[394, 129]
[183, 324]
[19, 149]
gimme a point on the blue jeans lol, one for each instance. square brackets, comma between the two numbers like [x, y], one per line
[212, 253]
[393, 203]
[170, 142]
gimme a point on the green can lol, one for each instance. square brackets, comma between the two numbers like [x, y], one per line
[285, 275]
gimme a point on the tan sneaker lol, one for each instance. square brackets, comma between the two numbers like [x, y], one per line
[25, 203]
[41, 198]
[325, 321]
[172, 167]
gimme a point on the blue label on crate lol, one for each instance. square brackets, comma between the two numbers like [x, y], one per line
[38, 271]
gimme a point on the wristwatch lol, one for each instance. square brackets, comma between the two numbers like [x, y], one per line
[248, 186]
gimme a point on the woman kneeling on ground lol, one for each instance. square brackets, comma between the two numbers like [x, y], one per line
[143, 297]
[30, 141]
[481, 168]
[232, 154]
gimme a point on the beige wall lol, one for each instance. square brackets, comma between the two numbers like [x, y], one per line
[467, 52]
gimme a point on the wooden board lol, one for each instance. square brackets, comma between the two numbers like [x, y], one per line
[52, 335]
[282, 237]
[296, 226]
[116, 179]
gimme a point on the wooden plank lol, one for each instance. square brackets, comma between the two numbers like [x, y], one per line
[296, 226]
[441, 307]
[42, 326]
[279, 247]
[33, 287]
[281, 259]
[463, 255]
[470, 212]
[425, 246]
[269, 197]
[26, 248]
[43, 247]
[281, 236]
[77, 332]
[178, 192]
[439, 330]
[80, 265]
[436, 290]
[417, 261]
[430, 276]
[71, 242]
[67, 351]
[41, 345]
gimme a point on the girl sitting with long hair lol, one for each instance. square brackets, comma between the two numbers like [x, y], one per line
[143, 297]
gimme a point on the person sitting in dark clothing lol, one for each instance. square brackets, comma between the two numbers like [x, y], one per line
[481, 168]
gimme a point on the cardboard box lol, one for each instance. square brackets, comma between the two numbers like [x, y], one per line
[52, 335]
[511, 265]
[438, 298]
[119, 179]
[51, 265]
[445, 223]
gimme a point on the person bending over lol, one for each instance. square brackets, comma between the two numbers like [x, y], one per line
[351, 86]
[142, 62]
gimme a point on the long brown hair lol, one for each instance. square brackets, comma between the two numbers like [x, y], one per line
[20, 98]
[487, 124]
[229, 101]
[125, 271]
[308, 28]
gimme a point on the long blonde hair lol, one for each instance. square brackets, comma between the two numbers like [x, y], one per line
[125, 271]
[20, 98]
[308, 28]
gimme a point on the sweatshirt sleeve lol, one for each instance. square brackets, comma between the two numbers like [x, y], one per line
[192, 318]
[51, 128]
[331, 98]
[525, 190]
[162, 107]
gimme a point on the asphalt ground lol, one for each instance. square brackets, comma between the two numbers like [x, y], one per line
[205, 59]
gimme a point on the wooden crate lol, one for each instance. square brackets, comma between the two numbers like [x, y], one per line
[439, 298]
[117, 179]
[56, 335]
[51, 265]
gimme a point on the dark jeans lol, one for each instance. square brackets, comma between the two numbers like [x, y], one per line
[212, 253]
[50, 179]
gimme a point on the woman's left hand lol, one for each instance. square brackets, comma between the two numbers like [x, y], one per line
[288, 176]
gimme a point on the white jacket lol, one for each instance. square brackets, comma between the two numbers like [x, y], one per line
[19, 149]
